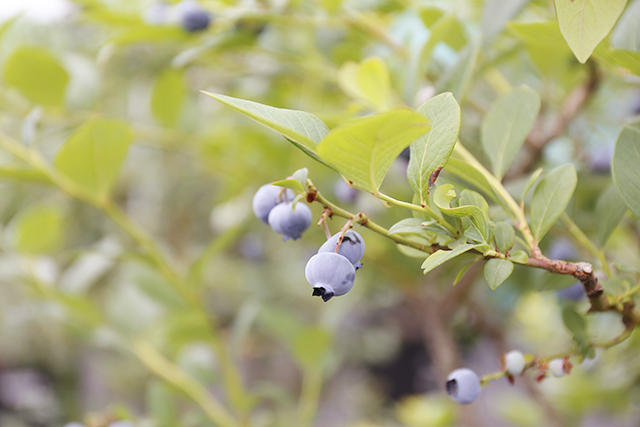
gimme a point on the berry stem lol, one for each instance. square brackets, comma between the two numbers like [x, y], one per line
[343, 231]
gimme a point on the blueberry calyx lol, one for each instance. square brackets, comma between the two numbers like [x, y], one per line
[452, 387]
[322, 292]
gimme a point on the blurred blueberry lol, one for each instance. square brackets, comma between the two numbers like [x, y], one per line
[330, 274]
[463, 385]
[251, 247]
[291, 224]
[157, 14]
[573, 293]
[406, 154]
[344, 192]
[191, 16]
[563, 249]
[600, 158]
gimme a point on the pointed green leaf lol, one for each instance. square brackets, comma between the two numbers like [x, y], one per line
[93, 154]
[442, 198]
[297, 182]
[302, 129]
[609, 211]
[37, 74]
[430, 152]
[463, 271]
[363, 149]
[369, 81]
[506, 126]
[505, 237]
[440, 257]
[496, 271]
[39, 230]
[168, 96]
[551, 198]
[625, 168]
[532, 180]
[584, 23]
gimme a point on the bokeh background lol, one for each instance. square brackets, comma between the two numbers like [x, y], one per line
[92, 331]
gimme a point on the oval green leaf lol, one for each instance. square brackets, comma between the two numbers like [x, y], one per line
[496, 271]
[551, 198]
[625, 168]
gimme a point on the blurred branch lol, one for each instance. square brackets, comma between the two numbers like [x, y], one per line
[538, 138]
[180, 379]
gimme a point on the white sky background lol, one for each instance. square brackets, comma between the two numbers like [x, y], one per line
[43, 11]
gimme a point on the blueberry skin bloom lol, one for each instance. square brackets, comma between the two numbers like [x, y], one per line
[191, 16]
[266, 198]
[463, 385]
[352, 247]
[330, 274]
[291, 224]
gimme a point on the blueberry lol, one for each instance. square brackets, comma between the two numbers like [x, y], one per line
[556, 368]
[157, 14]
[600, 159]
[191, 16]
[514, 362]
[563, 249]
[463, 385]
[330, 274]
[289, 223]
[352, 247]
[266, 198]
[344, 192]
[574, 292]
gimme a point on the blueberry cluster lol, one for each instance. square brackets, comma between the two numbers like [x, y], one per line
[274, 206]
[332, 271]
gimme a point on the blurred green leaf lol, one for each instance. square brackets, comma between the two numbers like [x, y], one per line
[551, 198]
[506, 126]
[469, 174]
[311, 346]
[585, 23]
[168, 97]
[161, 406]
[609, 211]
[39, 229]
[546, 46]
[302, 129]
[440, 257]
[37, 74]
[496, 271]
[363, 149]
[427, 411]
[148, 34]
[626, 34]
[368, 80]
[92, 156]
[505, 237]
[457, 79]
[463, 271]
[431, 151]
[530, 183]
[627, 59]
[626, 173]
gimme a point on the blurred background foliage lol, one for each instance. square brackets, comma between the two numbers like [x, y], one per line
[161, 300]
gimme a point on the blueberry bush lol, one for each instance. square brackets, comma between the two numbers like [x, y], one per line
[172, 173]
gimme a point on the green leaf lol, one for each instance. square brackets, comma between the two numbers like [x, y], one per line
[168, 97]
[302, 129]
[496, 14]
[625, 168]
[443, 197]
[160, 405]
[532, 180]
[469, 174]
[363, 149]
[496, 271]
[546, 46]
[520, 257]
[609, 211]
[440, 257]
[409, 226]
[584, 23]
[430, 152]
[463, 271]
[39, 230]
[505, 237]
[368, 81]
[626, 34]
[506, 126]
[551, 198]
[311, 346]
[93, 154]
[573, 321]
[297, 182]
[627, 59]
[37, 74]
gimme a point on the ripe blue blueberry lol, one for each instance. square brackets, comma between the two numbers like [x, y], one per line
[514, 362]
[352, 247]
[267, 197]
[291, 224]
[191, 16]
[463, 385]
[330, 274]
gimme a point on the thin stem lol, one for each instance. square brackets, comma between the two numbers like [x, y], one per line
[364, 221]
[180, 379]
[582, 239]
[426, 209]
